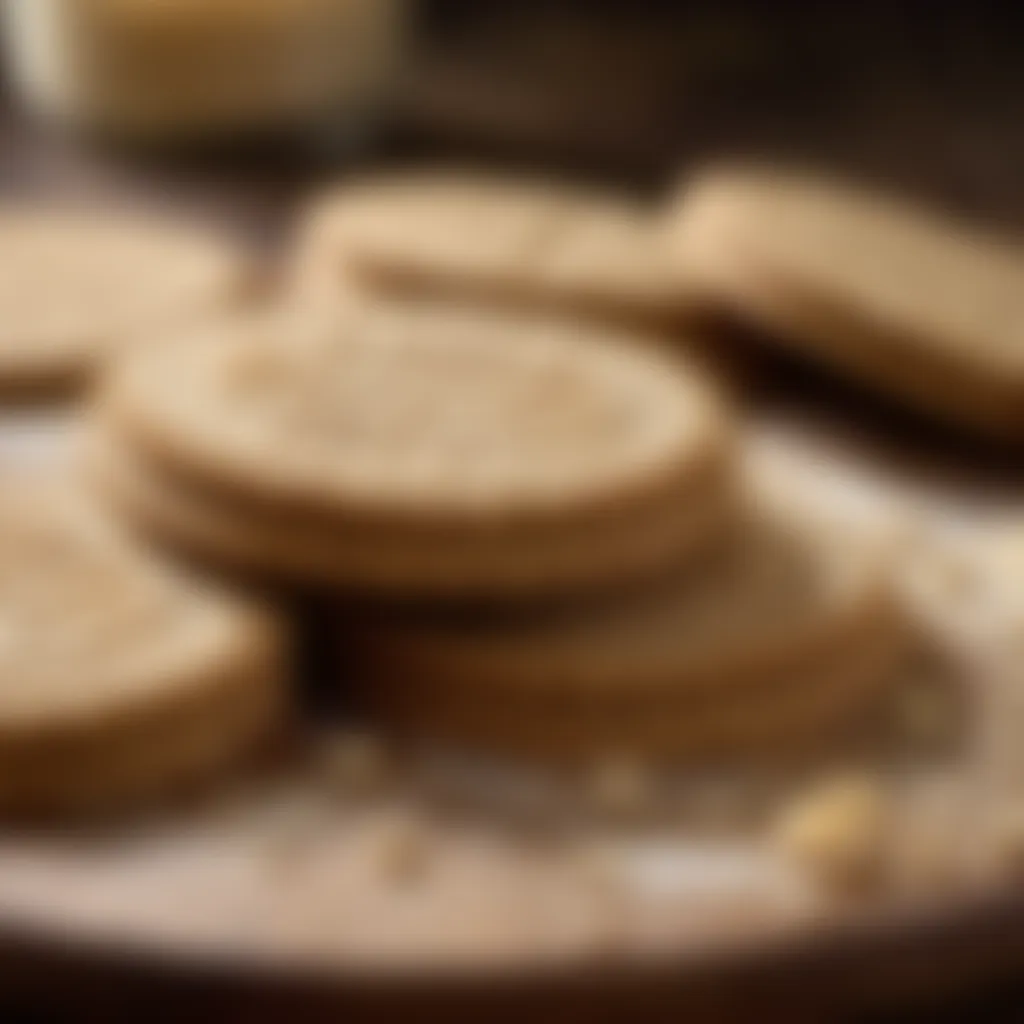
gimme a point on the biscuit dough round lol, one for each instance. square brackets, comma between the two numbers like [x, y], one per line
[784, 627]
[121, 675]
[913, 304]
[427, 448]
[79, 285]
[521, 243]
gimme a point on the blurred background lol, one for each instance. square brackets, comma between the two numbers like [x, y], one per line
[921, 94]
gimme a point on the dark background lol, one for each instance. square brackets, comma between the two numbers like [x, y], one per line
[925, 96]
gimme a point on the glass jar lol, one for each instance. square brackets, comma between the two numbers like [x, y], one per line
[202, 69]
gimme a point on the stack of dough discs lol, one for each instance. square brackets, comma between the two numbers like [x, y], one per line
[78, 286]
[770, 643]
[121, 677]
[465, 237]
[417, 452]
[915, 305]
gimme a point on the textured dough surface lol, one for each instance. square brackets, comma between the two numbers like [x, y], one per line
[429, 438]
